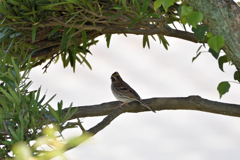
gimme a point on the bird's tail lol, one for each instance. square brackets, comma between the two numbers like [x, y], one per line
[145, 105]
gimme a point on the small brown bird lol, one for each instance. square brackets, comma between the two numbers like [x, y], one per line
[123, 92]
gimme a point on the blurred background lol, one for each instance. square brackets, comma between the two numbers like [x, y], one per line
[153, 72]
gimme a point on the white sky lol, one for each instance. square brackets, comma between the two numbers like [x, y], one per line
[151, 72]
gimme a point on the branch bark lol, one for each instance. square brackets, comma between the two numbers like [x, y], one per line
[158, 104]
[153, 29]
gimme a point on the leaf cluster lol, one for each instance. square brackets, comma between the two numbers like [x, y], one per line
[215, 43]
[23, 113]
[65, 29]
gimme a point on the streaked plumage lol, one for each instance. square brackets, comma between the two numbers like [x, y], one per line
[123, 92]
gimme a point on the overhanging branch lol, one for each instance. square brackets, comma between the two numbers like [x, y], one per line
[152, 29]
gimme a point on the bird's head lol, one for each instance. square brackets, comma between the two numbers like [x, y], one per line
[115, 76]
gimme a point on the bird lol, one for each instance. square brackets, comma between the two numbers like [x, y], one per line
[124, 93]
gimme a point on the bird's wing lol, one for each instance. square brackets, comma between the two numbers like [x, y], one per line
[124, 87]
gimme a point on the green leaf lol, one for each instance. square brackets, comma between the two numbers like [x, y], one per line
[89, 4]
[137, 5]
[68, 114]
[146, 41]
[200, 31]
[214, 54]
[157, 4]
[70, 31]
[59, 111]
[34, 33]
[185, 11]
[84, 39]
[145, 6]
[194, 18]
[216, 43]
[15, 2]
[7, 95]
[199, 49]
[23, 7]
[209, 34]
[16, 70]
[64, 39]
[72, 57]
[221, 60]
[14, 96]
[14, 135]
[54, 30]
[237, 76]
[163, 40]
[115, 6]
[167, 3]
[124, 3]
[4, 36]
[85, 61]
[108, 38]
[49, 99]
[132, 23]
[223, 88]
[118, 14]
[184, 20]
[54, 113]
[193, 59]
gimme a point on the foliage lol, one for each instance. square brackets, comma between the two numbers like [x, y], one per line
[67, 28]
[23, 113]
[23, 151]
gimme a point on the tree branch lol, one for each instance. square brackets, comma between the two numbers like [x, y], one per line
[138, 29]
[186, 103]
[158, 104]
[153, 29]
[94, 130]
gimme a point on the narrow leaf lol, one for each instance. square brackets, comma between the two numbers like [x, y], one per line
[55, 29]
[53, 113]
[145, 6]
[64, 39]
[108, 38]
[34, 33]
[194, 58]
[132, 23]
[84, 39]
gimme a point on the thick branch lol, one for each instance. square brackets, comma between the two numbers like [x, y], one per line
[138, 29]
[164, 30]
[158, 104]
